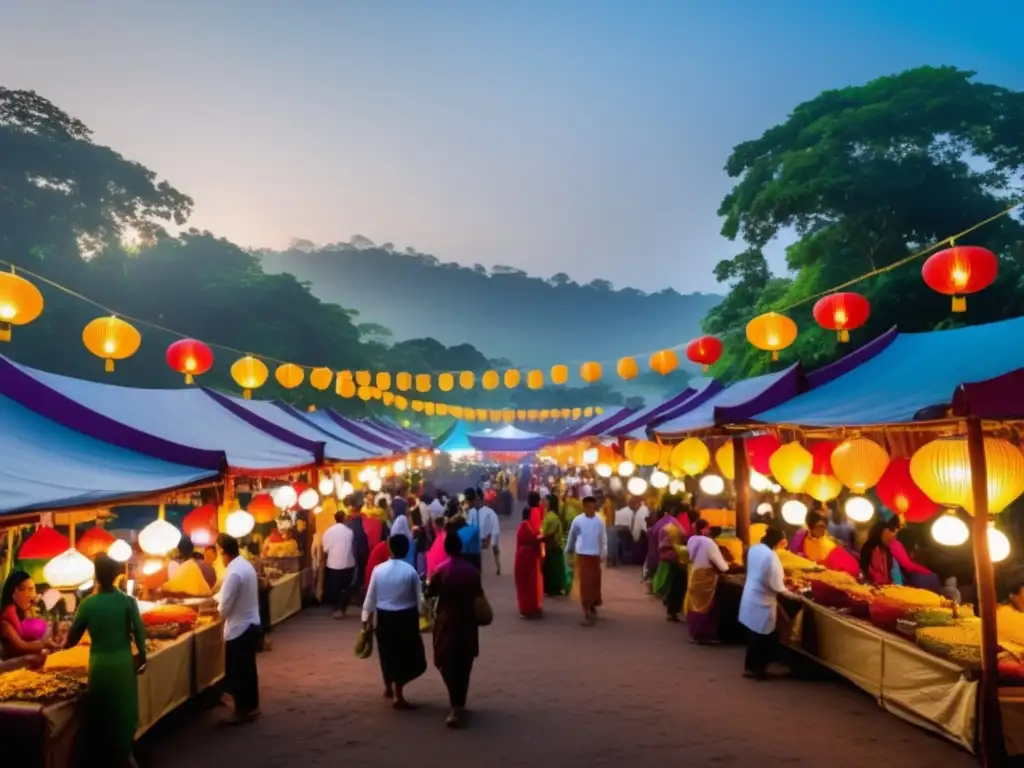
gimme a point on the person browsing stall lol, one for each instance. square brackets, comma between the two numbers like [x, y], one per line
[240, 609]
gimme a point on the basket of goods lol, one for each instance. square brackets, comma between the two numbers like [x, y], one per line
[885, 612]
[960, 642]
[38, 687]
[913, 596]
[160, 617]
[933, 617]
[831, 588]
[187, 581]
[860, 597]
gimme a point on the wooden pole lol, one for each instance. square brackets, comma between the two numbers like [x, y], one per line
[742, 485]
[991, 726]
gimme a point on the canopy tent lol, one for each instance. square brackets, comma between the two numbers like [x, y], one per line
[360, 430]
[456, 439]
[50, 466]
[389, 426]
[637, 424]
[508, 439]
[396, 435]
[600, 424]
[325, 423]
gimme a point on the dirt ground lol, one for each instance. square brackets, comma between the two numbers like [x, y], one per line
[629, 691]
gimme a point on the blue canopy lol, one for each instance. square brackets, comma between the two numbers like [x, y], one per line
[508, 439]
[457, 439]
[47, 466]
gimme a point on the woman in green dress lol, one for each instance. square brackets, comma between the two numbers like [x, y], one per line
[112, 620]
[553, 569]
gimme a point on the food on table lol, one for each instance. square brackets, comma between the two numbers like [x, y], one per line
[933, 617]
[39, 687]
[836, 578]
[960, 642]
[181, 615]
[188, 580]
[791, 562]
[282, 548]
[911, 595]
[163, 631]
[68, 659]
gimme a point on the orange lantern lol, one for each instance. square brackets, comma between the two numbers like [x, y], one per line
[441, 409]
[417, 406]
[289, 375]
[20, 302]
[590, 372]
[321, 378]
[200, 525]
[822, 487]
[704, 350]
[481, 414]
[859, 463]
[388, 398]
[771, 332]
[559, 374]
[190, 358]
[535, 379]
[383, 380]
[577, 412]
[345, 388]
[111, 338]
[401, 403]
[493, 415]
[456, 411]
[490, 380]
[445, 382]
[898, 491]
[364, 393]
[262, 508]
[467, 379]
[645, 453]
[627, 368]
[94, 542]
[249, 373]
[588, 413]
[664, 362]
[422, 382]
[512, 379]
[363, 379]
[403, 382]
[521, 414]
[959, 271]
[842, 313]
[508, 415]
[429, 409]
[532, 414]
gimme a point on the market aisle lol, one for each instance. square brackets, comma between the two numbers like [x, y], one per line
[630, 691]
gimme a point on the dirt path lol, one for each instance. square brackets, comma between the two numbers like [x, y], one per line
[630, 691]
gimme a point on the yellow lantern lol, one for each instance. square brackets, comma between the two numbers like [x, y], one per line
[383, 380]
[664, 362]
[467, 379]
[577, 412]
[588, 413]
[422, 382]
[645, 453]
[490, 380]
[321, 378]
[469, 414]
[493, 415]
[429, 409]
[691, 456]
[508, 415]
[455, 410]
[512, 379]
[111, 338]
[20, 302]
[445, 382]
[345, 388]
[249, 373]
[559, 374]
[401, 403]
[365, 394]
[403, 382]
[725, 460]
[791, 466]
[627, 368]
[859, 463]
[545, 414]
[441, 409]
[521, 415]
[565, 413]
[771, 332]
[590, 372]
[289, 375]
[535, 379]
[375, 393]
[822, 487]
[363, 379]
[481, 414]
[942, 469]
[532, 414]
[388, 398]
[417, 406]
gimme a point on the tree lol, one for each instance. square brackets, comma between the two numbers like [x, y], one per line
[867, 175]
[601, 285]
[560, 279]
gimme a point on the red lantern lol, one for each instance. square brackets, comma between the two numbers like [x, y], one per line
[94, 542]
[189, 358]
[262, 508]
[842, 313]
[821, 457]
[704, 350]
[898, 491]
[760, 450]
[960, 270]
[44, 544]
[200, 525]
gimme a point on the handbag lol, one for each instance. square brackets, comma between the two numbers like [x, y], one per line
[482, 611]
[364, 643]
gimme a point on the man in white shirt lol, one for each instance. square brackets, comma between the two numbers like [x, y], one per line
[435, 509]
[490, 532]
[588, 544]
[640, 519]
[340, 564]
[759, 602]
[621, 545]
[240, 609]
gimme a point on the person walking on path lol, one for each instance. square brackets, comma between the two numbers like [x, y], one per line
[588, 544]
[706, 562]
[337, 544]
[529, 582]
[759, 602]
[554, 555]
[240, 609]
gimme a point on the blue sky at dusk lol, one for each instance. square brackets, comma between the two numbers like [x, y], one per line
[587, 137]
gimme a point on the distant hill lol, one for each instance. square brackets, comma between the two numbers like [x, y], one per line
[527, 320]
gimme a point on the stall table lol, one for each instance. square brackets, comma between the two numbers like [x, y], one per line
[285, 597]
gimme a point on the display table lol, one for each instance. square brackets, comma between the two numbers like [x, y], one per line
[207, 657]
[285, 597]
[38, 736]
[166, 683]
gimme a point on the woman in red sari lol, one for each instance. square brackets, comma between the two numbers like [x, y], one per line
[529, 584]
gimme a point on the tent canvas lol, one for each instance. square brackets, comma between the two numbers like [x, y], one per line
[359, 429]
[669, 408]
[508, 439]
[600, 424]
[456, 440]
[398, 436]
[324, 422]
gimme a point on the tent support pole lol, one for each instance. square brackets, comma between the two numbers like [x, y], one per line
[991, 730]
[742, 485]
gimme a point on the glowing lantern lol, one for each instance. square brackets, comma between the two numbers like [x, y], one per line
[690, 457]
[794, 512]
[898, 491]
[417, 406]
[791, 466]
[822, 455]
[664, 362]
[942, 469]
[759, 452]
[387, 398]
[383, 380]
[374, 484]
[319, 378]
[250, 373]
[346, 388]
[659, 479]
[428, 409]
[859, 509]
[68, 570]
[559, 374]
[190, 358]
[467, 379]
[577, 413]
[998, 544]
[771, 332]
[239, 524]
[626, 468]
[289, 375]
[949, 530]
[704, 350]
[645, 453]
[842, 313]
[627, 368]
[636, 486]
[759, 482]
[20, 303]
[591, 456]
[158, 538]
[120, 551]
[262, 508]
[441, 409]
[725, 460]
[490, 380]
[481, 414]
[308, 499]
[422, 382]
[676, 486]
[603, 470]
[44, 544]
[403, 382]
[445, 382]
[365, 394]
[363, 379]
[859, 463]
[94, 541]
[401, 403]
[588, 413]
[287, 496]
[959, 271]
[712, 485]
[110, 339]
[590, 372]
[512, 378]
[535, 379]
[200, 525]
[822, 487]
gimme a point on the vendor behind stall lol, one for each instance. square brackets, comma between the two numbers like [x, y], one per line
[22, 633]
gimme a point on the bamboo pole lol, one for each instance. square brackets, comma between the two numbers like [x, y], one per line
[742, 486]
[991, 727]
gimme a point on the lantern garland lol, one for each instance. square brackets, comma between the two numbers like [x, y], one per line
[110, 339]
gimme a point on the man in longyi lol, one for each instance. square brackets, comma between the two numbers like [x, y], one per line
[588, 544]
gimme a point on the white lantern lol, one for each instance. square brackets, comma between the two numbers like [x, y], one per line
[399, 467]
[998, 544]
[374, 484]
[949, 530]
[383, 472]
[151, 567]
[326, 486]
[366, 474]
[346, 489]
[591, 455]
[712, 485]
[202, 537]
[765, 508]
[676, 486]
[428, 462]
[309, 499]
[659, 479]
[603, 470]
[759, 482]
[859, 509]
[794, 512]
[158, 538]
[636, 486]
[317, 510]
[284, 497]
[776, 488]
[615, 484]
[626, 468]
[239, 524]
[68, 570]
[120, 550]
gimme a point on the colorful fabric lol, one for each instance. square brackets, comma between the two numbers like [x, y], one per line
[528, 580]
[456, 585]
[700, 594]
[553, 569]
[661, 584]
[378, 556]
[589, 572]
[818, 549]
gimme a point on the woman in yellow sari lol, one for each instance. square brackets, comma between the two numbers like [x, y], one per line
[706, 562]
[813, 542]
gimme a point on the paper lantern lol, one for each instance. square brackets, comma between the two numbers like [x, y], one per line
[120, 551]
[68, 570]
[627, 368]
[364, 379]
[822, 487]
[365, 394]
[959, 271]
[445, 382]
[659, 479]
[712, 485]
[821, 452]
[725, 460]
[535, 379]
[771, 332]
[942, 469]
[636, 486]
[759, 452]
[325, 486]
[512, 378]
[201, 523]
[704, 350]
[898, 491]
[481, 414]
[590, 456]
[759, 482]
[94, 541]
[417, 406]
[455, 410]
[603, 470]
[190, 358]
[467, 379]
[262, 508]
[494, 415]
[321, 378]
[794, 512]
[998, 544]
[842, 313]
[664, 362]
[110, 339]
[250, 373]
[490, 380]
[383, 380]
[20, 303]
[949, 530]
[346, 388]
[403, 382]
[858, 509]
[428, 409]
[626, 468]
[691, 456]
[859, 463]
[401, 403]
[289, 375]
[559, 374]
[45, 543]
[308, 499]
[590, 372]
[239, 524]
[422, 382]
[441, 409]
[159, 538]
[588, 413]
[388, 398]
[646, 453]
[791, 466]
[676, 486]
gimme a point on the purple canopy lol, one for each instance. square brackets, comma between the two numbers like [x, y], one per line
[695, 393]
[508, 439]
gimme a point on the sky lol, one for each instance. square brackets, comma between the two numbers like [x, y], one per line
[578, 136]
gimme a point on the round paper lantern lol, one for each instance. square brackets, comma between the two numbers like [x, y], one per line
[959, 271]
[859, 509]
[120, 551]
[712, 485]
[636, 486]
[725, 460]
[239, 524]
[942, 469]
[383, 380]
[590, 372]
[467, 379]
[646, 453]
[110, 339]
[347, 388]
[691, 456]
[388, 398]
[68, 570]
[490, 380]
[588, 413]
[262, 508]
[590, 456]
[365, 394]
[512, 378]
[94, 541]
[319, 378]
[20, 303]
[422, 382]
[190, 358]
[201, 523]
[374, 484]
[998, 544]
[859, 463]
[559, 374]
[842, 313]
[401, 403]
[771, 332]
[441, 409]
[45, 543]
[794, 512]
[429, 409]
[898, 491]
[822, 455]
[289, 375]
[759, 482]
[791, 466]
[949, 530]
[364, 379]
[308, 499]
[760, 450]
[627, 368]
[821, 487]
[659, 479]
[403, 382]
[704, 350]
[676, 486]
[626, 468]
[158, 538]
[535, 379]
[445, 382]
[603, 470]
[250, 373]
[664, 362]
[577, 413]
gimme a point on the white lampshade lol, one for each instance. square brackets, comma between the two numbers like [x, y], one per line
[309, 499]
[151, 566]
[400, 467]
[794, 512]
[284, 497]
[765, 508]
[158, 538]
[346, 489]
[326, 486]
[615, 484]
[317, 510]
[759, 482]
[239, 524]
[603, 470]
[859, 509]
[636, 486]
[949, 530]
[68, 570]
[659, 479]
[428, 462]
[626, 468]
[366, 474]
[202, 537]
[591, 455]
[998, 544]
[676, 486]
[712, 485]
[120, 550]
[374, 484]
